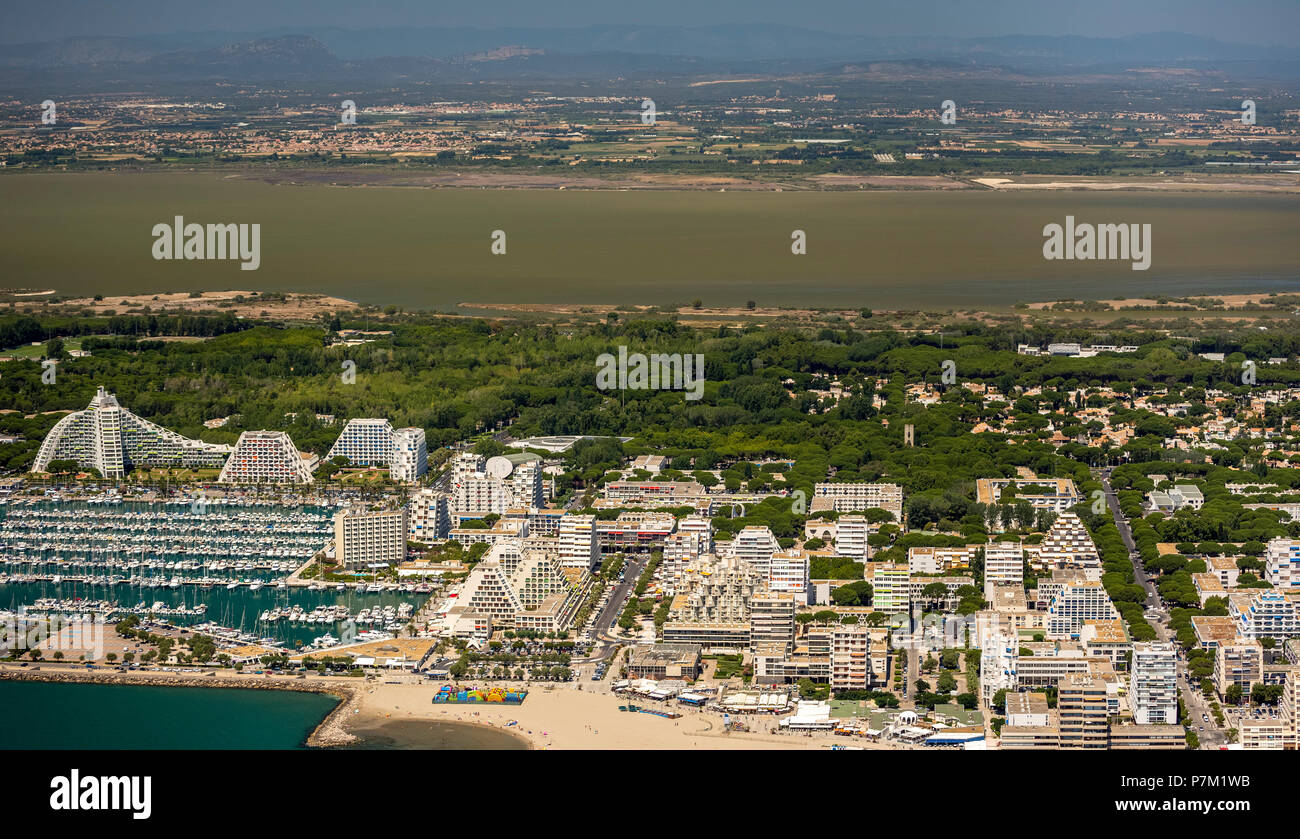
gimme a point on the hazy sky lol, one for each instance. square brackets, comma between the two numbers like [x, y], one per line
[1244, 21]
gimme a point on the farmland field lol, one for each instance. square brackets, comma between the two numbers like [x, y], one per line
[83, 234]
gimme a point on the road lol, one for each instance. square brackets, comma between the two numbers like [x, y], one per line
[1212, 736]
[603, 629]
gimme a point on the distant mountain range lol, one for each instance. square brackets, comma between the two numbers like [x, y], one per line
[327, 54]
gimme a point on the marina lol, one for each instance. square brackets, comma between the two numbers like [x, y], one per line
[223, 569]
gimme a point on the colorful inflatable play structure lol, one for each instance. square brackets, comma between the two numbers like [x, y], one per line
[449, 695]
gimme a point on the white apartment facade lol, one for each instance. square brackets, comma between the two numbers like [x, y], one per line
[364, 538]
[755, 546]
[1153, 684]
[856, 497]
[429, 520]
[481, 486]
[1004, 564]
[578, 542]
[1282, 564]
[374, 442]
[851, 534]
[788, 571]
[1076, 603]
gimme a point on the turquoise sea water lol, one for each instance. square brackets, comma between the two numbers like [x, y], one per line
[54, 715]
[48, 715]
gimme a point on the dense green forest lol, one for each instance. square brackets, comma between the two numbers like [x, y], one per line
[458, 377]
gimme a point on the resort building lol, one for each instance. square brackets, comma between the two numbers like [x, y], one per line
[1238, 662]
[654, 493]
[1176, 498]
[523, 589]
[693, 539]
[495, 485]
[111, 440]
[1282, 564]
[1083, 707]
[851, 534]
[1055, 495]
[1028, 708]
[428, 518]
[1225, 568]
[788, 571]
[265, 457]
[639, 532]
[771, 618]
[1267, 614]
[374, 442]
[1004, 564]
[410, 455]
[929, 560]
[859, 657]
[542, 521]
[712, 606]
[1290, 710]
[664, 661]
[999, 656]
[890, 588]
[1068, 545]
[1078, 602]
[1269, 735]
[1153, 685]
[856, 497]
[474, 531]
[1107, 639]
[755, 545]
[577, 542]
[370, 538]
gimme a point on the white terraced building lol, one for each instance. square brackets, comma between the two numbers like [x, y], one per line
[265, 457]
[1078, 602]
[374, 442]
[523, 589]
[110, 439]
[1068, 545]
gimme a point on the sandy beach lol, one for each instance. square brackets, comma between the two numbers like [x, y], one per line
[555, 717]
[566, 718]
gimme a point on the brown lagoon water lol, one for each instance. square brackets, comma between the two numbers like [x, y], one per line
[430, 248]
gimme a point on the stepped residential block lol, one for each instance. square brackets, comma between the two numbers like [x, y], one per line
[265, 457]
[112, 440]
[374, 442]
